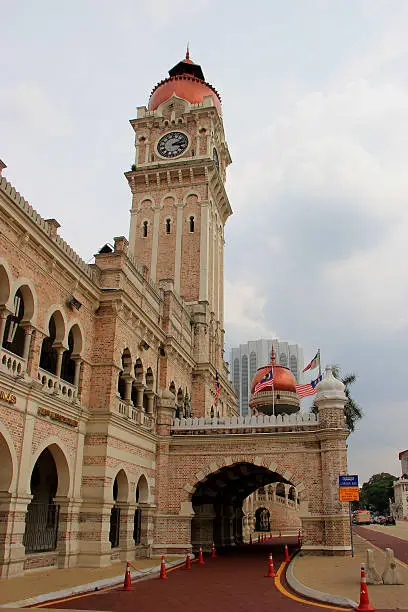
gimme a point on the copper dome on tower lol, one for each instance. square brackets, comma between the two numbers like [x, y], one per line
[186, 81]
[277, 397]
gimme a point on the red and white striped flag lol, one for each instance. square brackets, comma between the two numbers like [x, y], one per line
[309, 389]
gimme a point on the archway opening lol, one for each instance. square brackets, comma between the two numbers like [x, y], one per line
[218, 503]
[41, 530]
[262, 519]
[120, 491]
[6, 466]
[142, 497]
[56, 332]
[14, 334]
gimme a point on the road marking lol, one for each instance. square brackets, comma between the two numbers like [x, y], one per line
[282, 589]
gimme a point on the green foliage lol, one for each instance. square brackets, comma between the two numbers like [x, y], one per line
[352, 411]
[376, 493]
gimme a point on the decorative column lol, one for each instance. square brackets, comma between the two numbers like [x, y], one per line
[150, 402]
[4, 313]
[67, 545]
[139, 396]
[27, 342]
[332, 522]
[34, 355]
[60, 351]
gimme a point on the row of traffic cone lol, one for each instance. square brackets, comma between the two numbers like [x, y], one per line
[127, 585]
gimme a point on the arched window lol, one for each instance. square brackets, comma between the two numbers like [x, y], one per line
[14, 335]
[144, 230]
[168, 222]
[283, 360]
[191, 224]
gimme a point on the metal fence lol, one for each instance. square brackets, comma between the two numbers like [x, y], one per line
[114, 527]
[41, 530]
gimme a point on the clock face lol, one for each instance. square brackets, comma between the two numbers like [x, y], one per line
[172, 144]
[216, 159]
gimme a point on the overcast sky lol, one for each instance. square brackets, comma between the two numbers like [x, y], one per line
[315, 103]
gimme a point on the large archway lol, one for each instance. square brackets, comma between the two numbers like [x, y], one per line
[217, 503]
[6, 466]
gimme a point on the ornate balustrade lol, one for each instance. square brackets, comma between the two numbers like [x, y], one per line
[57, 386]
[292, 422]
[11, 363]
[137, 416]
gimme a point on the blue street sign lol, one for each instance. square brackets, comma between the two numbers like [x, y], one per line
[348, 481]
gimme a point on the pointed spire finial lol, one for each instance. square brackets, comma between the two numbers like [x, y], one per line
[273, 358]
[188, 51]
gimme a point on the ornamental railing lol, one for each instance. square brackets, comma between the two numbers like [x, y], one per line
[295, 421]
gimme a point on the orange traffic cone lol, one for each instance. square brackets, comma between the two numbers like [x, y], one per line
[250, 538]
[364, 605]
[213, 553]
[127, 584]
[287, 558]
[163, 575]
[200, 557]
[270, 535]
[188, 562]
[271, 570]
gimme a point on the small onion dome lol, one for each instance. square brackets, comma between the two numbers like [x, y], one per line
[283, 379]
[186, 81]
[330, 384]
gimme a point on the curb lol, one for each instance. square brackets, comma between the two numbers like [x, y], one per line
[306, 591]
[141, 574]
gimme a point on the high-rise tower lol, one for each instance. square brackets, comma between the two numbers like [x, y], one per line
[179, 205]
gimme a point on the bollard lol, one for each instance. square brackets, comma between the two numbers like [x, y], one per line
[391, 573]
[287, 558]
[270, 535]
[213, 553]
[372, 576]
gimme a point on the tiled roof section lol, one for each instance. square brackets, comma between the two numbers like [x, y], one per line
[14, 195]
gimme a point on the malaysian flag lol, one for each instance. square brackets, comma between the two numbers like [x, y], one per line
[266, 381]
[309, 389]
[314, 363]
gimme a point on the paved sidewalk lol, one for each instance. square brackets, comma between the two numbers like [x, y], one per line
[38, 583]
[340, 576]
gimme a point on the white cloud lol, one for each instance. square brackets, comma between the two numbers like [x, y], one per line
[29, 107]
[245, 317]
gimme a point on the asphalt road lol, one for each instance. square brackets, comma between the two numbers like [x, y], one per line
[385, 540]
[233, 582]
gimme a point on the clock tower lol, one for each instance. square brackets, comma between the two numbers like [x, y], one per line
[179, 202]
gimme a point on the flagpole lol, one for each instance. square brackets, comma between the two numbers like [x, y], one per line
[320, 365]
[273, 385]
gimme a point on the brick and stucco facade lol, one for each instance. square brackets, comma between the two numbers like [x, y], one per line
[97, 363]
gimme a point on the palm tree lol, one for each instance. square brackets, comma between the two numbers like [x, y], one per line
[352, 411]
